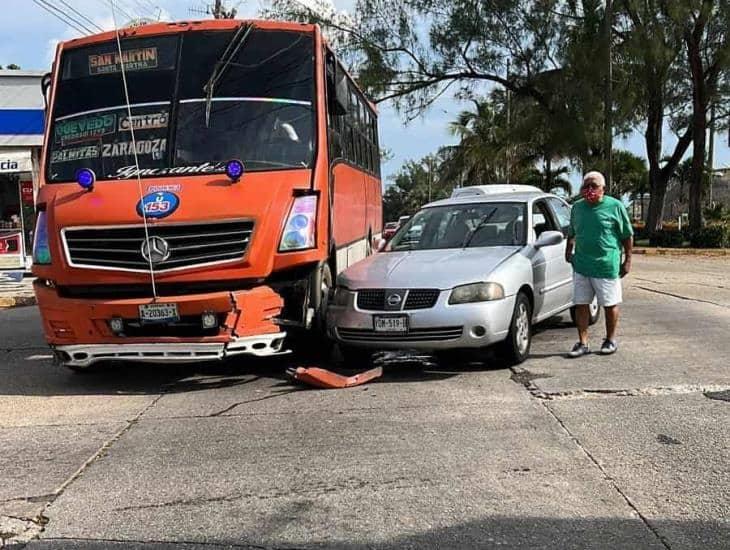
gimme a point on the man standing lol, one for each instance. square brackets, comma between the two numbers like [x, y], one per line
[599, 228]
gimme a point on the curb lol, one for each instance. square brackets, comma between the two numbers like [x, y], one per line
[17, 301]
[682, 251]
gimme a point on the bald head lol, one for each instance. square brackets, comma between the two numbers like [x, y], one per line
[595, 177]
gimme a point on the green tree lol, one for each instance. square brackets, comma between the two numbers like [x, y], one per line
[11, 67]
[707, 42]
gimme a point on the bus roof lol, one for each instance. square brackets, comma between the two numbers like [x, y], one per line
[173, 27]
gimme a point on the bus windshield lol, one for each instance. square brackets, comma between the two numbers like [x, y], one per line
[261, 110]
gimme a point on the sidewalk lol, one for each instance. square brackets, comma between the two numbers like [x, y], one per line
[13, 294]
[651, 251]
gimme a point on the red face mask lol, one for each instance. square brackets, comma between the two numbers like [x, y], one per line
[591, 194]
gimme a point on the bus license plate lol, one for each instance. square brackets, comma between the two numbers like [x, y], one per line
[158, 313]
[390, 323]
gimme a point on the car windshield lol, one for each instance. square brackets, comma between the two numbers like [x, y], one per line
[260, 111]
[463, 225]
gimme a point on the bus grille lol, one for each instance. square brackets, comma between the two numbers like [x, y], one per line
[373, 299]
[189, 245]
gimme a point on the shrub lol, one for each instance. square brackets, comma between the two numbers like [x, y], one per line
[712, 236]
[667, 238]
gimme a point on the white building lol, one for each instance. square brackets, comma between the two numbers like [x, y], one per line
[21, 138]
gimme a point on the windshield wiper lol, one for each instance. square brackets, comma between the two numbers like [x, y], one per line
[222, 64]
[479, 226]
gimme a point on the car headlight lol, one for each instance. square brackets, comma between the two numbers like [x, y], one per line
[341, 296]
[476, 292]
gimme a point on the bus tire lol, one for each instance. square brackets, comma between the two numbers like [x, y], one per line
[314, 342]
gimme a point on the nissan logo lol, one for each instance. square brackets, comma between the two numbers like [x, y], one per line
[155, 250]
[394, 300]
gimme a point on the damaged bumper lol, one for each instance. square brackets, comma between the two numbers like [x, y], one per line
[80, 330]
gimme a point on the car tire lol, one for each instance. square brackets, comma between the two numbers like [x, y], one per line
[516, 348]
[595, 313]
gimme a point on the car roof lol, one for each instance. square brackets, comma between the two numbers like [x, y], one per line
[492, 193]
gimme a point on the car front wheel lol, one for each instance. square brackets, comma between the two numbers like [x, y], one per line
[516, 347]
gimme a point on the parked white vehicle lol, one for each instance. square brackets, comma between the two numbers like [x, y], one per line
[477, 269]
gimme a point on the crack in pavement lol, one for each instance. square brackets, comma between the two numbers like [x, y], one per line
[526, 379]
[606, 476]
[177, 543]
[681, 297]
[40, 521]
[683, 282]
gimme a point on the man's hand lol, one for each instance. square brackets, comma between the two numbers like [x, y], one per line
[569, 250]
[625, 268]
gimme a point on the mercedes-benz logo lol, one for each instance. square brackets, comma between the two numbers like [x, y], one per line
[155, 250]
[394, 299]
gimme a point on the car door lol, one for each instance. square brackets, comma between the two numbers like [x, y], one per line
[552, 274]
[561, 213]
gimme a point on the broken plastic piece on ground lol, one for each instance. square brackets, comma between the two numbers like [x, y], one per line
[403, 358]
[323, 378]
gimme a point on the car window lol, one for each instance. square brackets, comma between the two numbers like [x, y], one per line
[541, 219]
[562, 214]
[463, 225]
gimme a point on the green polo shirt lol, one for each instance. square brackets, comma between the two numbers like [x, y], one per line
[599, 231]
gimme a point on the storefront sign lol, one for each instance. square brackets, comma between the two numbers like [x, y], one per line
[15, 161]
[26, 193]
[134, 60]
[10, 244]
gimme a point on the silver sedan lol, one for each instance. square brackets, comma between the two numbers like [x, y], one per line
[468, 272]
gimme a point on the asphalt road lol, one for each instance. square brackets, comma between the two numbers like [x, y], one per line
[629, 451]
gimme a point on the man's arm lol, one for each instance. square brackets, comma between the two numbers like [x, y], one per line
[569, 246]
[628, 245]
[627, 240]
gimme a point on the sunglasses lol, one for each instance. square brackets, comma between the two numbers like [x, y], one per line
[591, 186]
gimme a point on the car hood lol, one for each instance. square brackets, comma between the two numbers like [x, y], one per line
[440, 269]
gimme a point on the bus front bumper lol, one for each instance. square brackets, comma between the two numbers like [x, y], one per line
[80, 331]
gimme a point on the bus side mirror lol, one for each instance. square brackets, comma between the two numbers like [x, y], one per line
[45, 86]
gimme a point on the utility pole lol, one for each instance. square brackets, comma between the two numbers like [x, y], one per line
[509, 116]
[608, 98]
[217, 10]
[711, 151]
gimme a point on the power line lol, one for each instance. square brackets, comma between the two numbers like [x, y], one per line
[81, 15]
[58, 14]
[106, 4]
[146, 8]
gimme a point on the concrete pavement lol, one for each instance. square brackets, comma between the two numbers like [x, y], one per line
[628, 451]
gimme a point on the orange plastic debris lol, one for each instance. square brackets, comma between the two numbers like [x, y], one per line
[323, 378]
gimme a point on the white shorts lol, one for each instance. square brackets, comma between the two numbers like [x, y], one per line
[608, 291]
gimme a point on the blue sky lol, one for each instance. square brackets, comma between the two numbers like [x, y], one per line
[29, 35]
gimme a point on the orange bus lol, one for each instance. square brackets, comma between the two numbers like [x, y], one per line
[201, 185]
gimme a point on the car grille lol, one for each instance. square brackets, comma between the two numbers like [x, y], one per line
[422, 298]
[439, 334]
[190, 245]
[417, 298]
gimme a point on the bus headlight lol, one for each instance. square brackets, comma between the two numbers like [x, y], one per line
[299, 231]
[476, 292]
[41, 251]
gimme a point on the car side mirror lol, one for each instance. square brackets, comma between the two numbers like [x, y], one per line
[549, 238]
[380, 244]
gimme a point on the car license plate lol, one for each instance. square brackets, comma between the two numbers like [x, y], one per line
[158, 313]
[391, 323]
